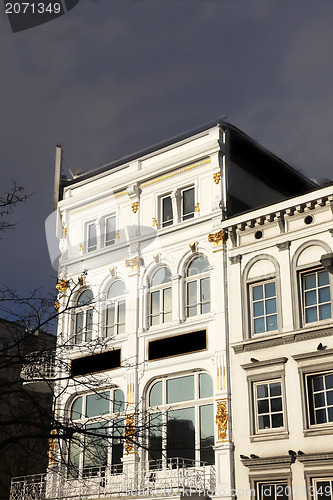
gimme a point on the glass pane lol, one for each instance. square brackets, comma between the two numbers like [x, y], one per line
[329, 395]
[310, 281]
[155, 436]
[205, 386]
[205, 290]
[188, 203]
[311, 298]
[74, 455]
[318, 383]
[110, 230]
[264, 422]
[205, 308]
[324, 294]
[321, 417]
[162, 275]
[330, 414]
[118, 432]
[167, 217]
[92, 238]
[117, 288]
[110, 319]
[97, 404]
[258, 309]
[276, 404]
[206, 434]
[89, 324]
[277, 420]
[155, 395]
[155, 302]
[192, 311]
[270, 306]
[192, 293]
[259, 325]
[79, 327]
[167, 304]
[181, 433]
[96, 445]
[270, 289]
[180, 389]
[323, 278]
[121, 312]
[319, 399]
[267, 492]
[329, 381]
[263, 406]
[271, 323]
[76, 412]
[275, 388]
[325, 311]
[311, 314]
[198, 265]
[85, 298]
[258, 292]
[118, 401]
[262, 391]
[324, 490]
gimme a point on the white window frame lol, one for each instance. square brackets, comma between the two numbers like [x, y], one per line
[85, 334]
[266, 315]
[117, 301]
[310, 395]
[162, 310]
[198, 278]
[171, 222]
[107, 243]
[270, 429]
[91, 248]
[314, 488]
[302, 274]
[189, 215]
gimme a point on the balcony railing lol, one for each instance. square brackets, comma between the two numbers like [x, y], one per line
[38, 367]
[171, 477]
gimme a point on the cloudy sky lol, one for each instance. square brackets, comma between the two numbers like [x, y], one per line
[114, 76]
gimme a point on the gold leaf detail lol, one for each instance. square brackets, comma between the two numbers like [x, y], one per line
[222, 420]
[217, 238]
[129, 433]
[217, 177]
[135, 207]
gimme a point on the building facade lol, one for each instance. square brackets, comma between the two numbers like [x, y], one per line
[143, 335]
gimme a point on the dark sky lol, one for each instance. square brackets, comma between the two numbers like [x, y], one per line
[114, 76]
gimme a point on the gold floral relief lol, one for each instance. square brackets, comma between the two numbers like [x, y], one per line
[129, 433]
[217, 238]
[135, 207]
[217, 177]
[222, 420]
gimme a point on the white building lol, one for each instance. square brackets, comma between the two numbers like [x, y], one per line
[280, 324]
[146, 337]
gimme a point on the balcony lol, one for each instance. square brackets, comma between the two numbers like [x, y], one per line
[171, 478]
[39, 372]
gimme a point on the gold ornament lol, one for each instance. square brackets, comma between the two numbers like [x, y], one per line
[134, 264]
[196, 208]
[154, 222]
[135, 207]
[217, 177]
[217, 238]
[129, 433]
[62, 286]
[222, 420]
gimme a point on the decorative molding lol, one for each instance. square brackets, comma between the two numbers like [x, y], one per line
[221, 373]
[193, 246]
[313, 354]
[135, 207]
[80, 247]
[236, 259]
[267, 462]
[65, 230]
[112, 271]
[129, 433]
[311, 459]
[197, 208]
[133, 190]
[57, 305]
[222, 420]
[217, 177]
[266, 362]
[156, 257]
[52, 446]
[134, 263]
[283, 246]
[172, 174]
[217, 238]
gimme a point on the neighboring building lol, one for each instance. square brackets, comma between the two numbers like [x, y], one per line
[146, 335]
[21, 452]
[280, 266]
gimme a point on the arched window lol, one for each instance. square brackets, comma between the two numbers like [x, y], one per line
[100, 444]
[84, 317]
[160, 297]
[115, 309]
[197, 287]
[181, 420]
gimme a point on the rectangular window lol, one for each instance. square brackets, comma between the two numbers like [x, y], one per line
[320, 398]
[92, 237]
[316, 296]
[110, 230]
[166, 211]
[263, 307]
[188, 203]
[322, 488]
[268, 405]
[277, 490]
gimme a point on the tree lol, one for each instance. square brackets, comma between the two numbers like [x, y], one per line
[8, 202]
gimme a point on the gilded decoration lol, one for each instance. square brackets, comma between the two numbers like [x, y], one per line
[65, 232]
[197, 208]
[81, 280]
[135, 207]
[57, 305]
[129, 433]
[154, 222]
[193, 246]
[62, 286]
[117, 235]
[134, 264]
[217, 238]
[80, 247]
[51, 448]
[222, 420]
[217, 177]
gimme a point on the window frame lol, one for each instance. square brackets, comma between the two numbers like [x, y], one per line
[322, 478]
[251, 301]
[273, 482]
[161, 289]
[113, 415]
[310, 400]
[189, 215]
[270, 429]
[302, 273]
[112, 241]
[166, 223]
[116, 301]
[198, 279]
[91, 248]
[83, 310]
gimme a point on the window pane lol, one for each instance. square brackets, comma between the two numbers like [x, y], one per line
[198, 265]
[275, 388]
[162, 275]
[206, 434]
[85, 298]
[89, 324]
[318, 383]
[74, 455]
[155, 307]
[192, 292]
[270, 306]
[329, 381]
[155, 395]
[92, 238]
[96, 447]
[311, 298]
[110, 230]
[258, 292]
[329, 396]
[110, 320]
[155, 436]
[79, 327]
[325, 311]
[263, 406]
[188, 203]
[270, 289]
[323, 278]
[264, 422]
[310, 281]
[324, 490]
[271, 323]
[262, 391]
[321, 417]
[121, 313]
[311, 314]
[180, 389]
[116, 289]
[205, 290]
[97, 404]
[276, 404]
[181, 433]
[118, 401]
[277, 420]
[167, 304]
[167, 217]
[258, 309]
[76, 412]
[319, 399]
[205, 386]
[259, 325]
[118, 432]
[324, 294]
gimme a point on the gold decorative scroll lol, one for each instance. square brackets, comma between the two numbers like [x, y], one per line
[80, 247]
[217, 177]
[117, 235]
[197, 208]
[57, 305]
[129, 433]
[222, 420]
[51, 450]
[133, 264]
[217, 238]
[135, 207]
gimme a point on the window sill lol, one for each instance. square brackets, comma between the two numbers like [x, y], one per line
[318, 431]
[269, 436]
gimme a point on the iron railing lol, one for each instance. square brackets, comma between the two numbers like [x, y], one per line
[38, 367]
